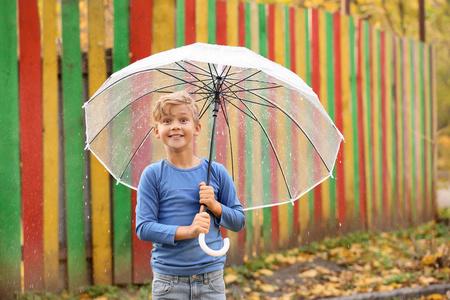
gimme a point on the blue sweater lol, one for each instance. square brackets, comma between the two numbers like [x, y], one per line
[168, 197]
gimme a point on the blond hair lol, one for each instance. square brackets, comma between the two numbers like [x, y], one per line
[176, 98]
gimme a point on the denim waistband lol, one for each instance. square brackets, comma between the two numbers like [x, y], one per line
[205, 278]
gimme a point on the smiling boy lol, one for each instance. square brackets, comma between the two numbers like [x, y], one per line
[169, 209]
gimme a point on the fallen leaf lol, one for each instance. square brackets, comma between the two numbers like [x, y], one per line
[435, 297]
[268, 288]
[230, 278]
[266, 272]
[308, 274]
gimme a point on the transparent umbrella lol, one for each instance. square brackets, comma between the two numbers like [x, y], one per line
[244, 99]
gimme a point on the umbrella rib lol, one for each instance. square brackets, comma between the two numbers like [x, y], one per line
[204, 110]
[225, 115]
[295, 122]
[128, 105]
[240, 109]
[271, 145]
[134, 154]
[204, 87]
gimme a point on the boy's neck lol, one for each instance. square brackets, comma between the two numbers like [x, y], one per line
[183, 161]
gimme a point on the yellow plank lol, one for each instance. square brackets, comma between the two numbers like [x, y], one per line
[50, 147]
[300, 36]
[325, 186]
[100, 192]
[163, 25]
[232, 40]
[280, 57]
[408, 128]
[201, 21]
[232, 23]
[349, 155]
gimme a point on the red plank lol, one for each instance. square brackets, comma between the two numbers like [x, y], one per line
[315, 79]
[384, 115]
[140, 47]
[189, 22]
[362, 176]
[222, 132]
[221, 22]
[295, 146]
[372, 137]
[30, 91]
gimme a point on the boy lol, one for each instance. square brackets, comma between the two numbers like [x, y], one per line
[169, 211]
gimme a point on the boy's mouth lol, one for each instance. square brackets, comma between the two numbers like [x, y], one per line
[175, 136]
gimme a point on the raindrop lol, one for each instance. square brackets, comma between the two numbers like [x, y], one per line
[340, 224]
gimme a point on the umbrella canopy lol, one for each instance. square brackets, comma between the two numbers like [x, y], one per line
[268, 117]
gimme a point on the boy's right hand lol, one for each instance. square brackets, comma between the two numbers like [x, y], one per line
[201, 223]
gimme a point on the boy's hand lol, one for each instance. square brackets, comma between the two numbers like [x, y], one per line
[199, 225]
[207, 198]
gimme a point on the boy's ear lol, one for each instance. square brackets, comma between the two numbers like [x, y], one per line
[155, 129]
[198, 128]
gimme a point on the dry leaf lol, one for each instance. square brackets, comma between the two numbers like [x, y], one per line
[230, 278]
[308, 274]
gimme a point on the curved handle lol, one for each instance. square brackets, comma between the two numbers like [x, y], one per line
[226, 246]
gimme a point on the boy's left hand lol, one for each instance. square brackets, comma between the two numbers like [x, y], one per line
[207, 198]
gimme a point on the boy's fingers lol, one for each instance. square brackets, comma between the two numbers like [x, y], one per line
[202, 208]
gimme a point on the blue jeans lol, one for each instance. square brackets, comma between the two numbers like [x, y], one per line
[208, 286]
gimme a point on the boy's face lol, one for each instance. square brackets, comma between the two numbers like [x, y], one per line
[177, 128]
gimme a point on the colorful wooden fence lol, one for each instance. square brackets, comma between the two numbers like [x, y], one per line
[65, 224]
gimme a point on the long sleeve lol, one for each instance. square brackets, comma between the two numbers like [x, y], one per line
[147, 227]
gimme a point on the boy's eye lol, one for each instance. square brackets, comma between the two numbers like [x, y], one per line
[166, 121]
[184, 120]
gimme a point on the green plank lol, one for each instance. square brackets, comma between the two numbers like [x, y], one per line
[10, 247]
[354, 113]
[180, 23]
[265, 157]
[413, 131]
[73, 144]
[368, 117]
[249, 236]
[212, 21]
[122, 241]
[330, 103]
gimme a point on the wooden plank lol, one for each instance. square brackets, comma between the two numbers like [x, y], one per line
[122, 257]
[232, 31]
[361, 132]
[272, 125]
[347, 218]
[212, 21]
[163, 26]
[50, 147]
[316, 86]
[376, 125]
[72, 86]
[327, 100]
[339, 182]
[30, 91]
[354, 128]
[252, 42]
[279, 56]
[266, 214]
[141, 15]
[201, 21]
[100, 178]
[189, 28]
[366, 87]
[10, 184]
[301, 62]
[180, 25]
[422, 140]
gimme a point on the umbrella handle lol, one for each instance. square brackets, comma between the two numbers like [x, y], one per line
[209, 251]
